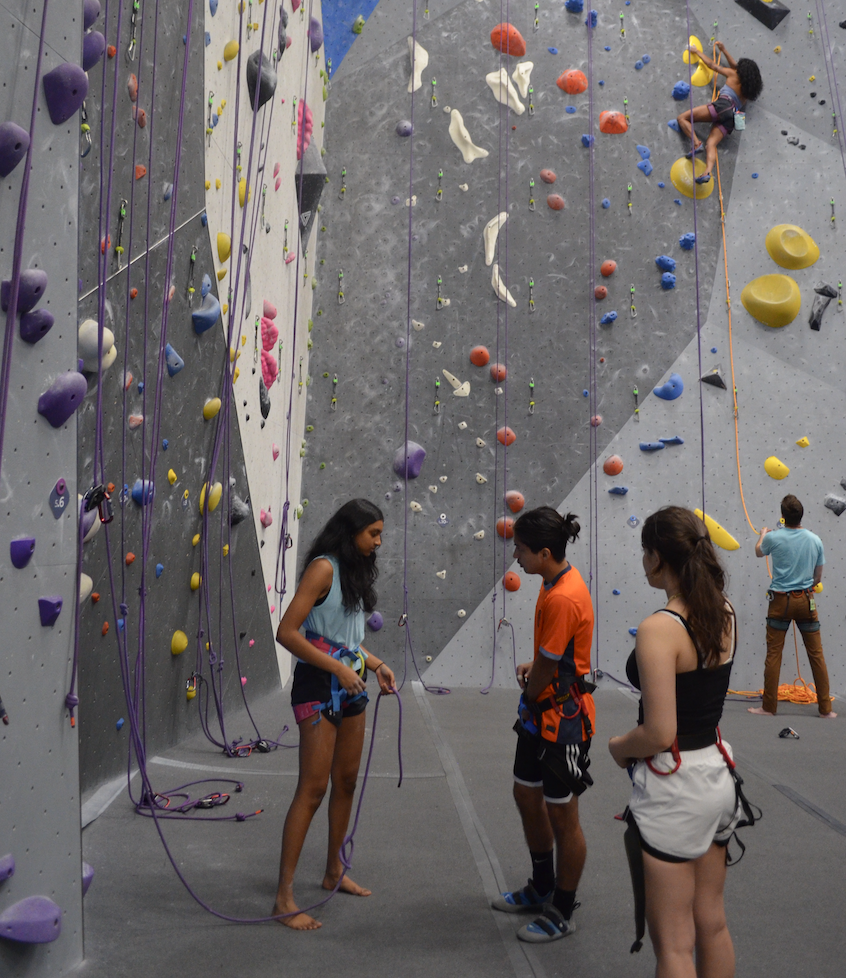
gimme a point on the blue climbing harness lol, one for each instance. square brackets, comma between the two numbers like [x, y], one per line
[354, 659]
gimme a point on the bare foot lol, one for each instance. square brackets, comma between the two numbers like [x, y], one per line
[297, 920]
[828, 716]
[760, 711]
[347, 886]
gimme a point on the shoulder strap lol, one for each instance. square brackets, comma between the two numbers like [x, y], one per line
[683, 620]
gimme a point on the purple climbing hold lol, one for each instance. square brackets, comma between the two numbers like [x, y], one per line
[375, 621]
[65, 88]
[21, 550]
[87, 876]
[315, 33]
[33, 282]
[90, 13]
[36, 325]
[62, 397]
[49, 610]
[93, 48]
[173, 361]
[207, 315]
[404, 128]
[409, 461]
[14, 142]
[33, 920]
[669, 391]
[7, 867]
[142, 492]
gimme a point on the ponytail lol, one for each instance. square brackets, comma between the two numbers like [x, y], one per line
[545, 527]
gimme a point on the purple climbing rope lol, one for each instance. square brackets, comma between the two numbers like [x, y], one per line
[828, 53]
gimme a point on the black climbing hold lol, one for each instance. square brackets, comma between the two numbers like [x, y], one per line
[824, 294]
[802, 146]
[813, 94]
[310, 176]
[822, 101]
[714, 377]
[264, 398]
[784, 132]
[283, 34]
[267, 80]
[769, 14]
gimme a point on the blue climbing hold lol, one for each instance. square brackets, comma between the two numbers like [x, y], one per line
[207, 315]
[618, 490]
[552, 50]
[204, 219]
[687, 241]
[754, 176]
[661, 184]
[585, 393]
[184, 38]
[121, 624]
[208, 39]
[601, 81]
[674, 124]
[205, 288]
[120, 723]
[638, 65]
[681, 91]
[609, 317]
[645, 166]
[165, 443]
[644, 151]
[607, 47]
[675, 440]
[142, 492]
[173, 361]
[214, 120]
[592, 16]
[646, 59]
[668, 281]
[587, 140]
[606, 203]
[632, 631]
[713, 349]
[212, 7]
[665, 263]
[651, 446]
[168, 191]
[140, 386]
[575, 6]
[615, 591]
[159, 570]
[677, 201]
[570, 110]
[669, 391]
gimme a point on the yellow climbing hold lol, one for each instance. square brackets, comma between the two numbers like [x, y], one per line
[692, 42]
[812, 78]
[243, 192]
[702, 76]
[719, 534]
[818, 587]
[190, 689]
[226, 550]
[219, 66]
[196, 581]
[230, 51]
[208, 184]
[214, 496]
[773, 300]
[221, 275]
[803, 442]
[232, 353]
[222, 104]
[775, 468]
[777, 49]
[217, 184]
[791, 247]
[224, 245]
[211, 407]
[236, 374]
[225, 308]
[195, 540]
[243, 340]
[682, 176]
[171, 476]
[179, 643]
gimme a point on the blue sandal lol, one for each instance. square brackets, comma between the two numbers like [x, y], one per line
[527, 900]
[550, 926]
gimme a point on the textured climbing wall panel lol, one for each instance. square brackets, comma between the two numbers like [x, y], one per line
[267, 263]
[227, 616]
[39, 804]
[367, 237]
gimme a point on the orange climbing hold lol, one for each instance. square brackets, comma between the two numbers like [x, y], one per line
[130, 558]
[572, 81]
[505, 527]
[132, 85]
[103, 245]
[600, 292]
[514, 500]
[105, 629]
[111, 50]
[608, 267]
[95, 597]
[479, 356]
[511, 581]
[140, 117]
[505, 436]
[508, 39]
[140, 171]
[498, 371]
[133, 293]
[613, 465]
[548, 176]
[612, 122]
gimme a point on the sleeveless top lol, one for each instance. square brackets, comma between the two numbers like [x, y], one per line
[331, 619]
[700, 692]
[728, 92]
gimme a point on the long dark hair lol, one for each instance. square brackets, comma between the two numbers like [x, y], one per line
[358, 573]
[751, 83]
[546, 527]
[681, 541]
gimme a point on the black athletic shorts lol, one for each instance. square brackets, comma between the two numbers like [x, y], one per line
[532, 773]
[313, 686]
[722, 114]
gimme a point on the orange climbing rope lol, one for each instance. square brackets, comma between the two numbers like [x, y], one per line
[798, 691]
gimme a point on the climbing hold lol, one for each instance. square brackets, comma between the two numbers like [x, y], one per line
[305, 128]
[93, 48]
[774, 300]
[791, 247]
[441, 574]
[480, 479]
[315, 32]
[514, 500]
[461, 137]
[574, 6]
[88, 342]
[264, 397]
[196, 581]
[661, 184]
[507, 39]
[142, 492]
[408, 461]
[269, 334]
[555, 202]
[572, 81]
[608, 318]
[33, 920]
[480, 535]
[415, 507]
[65, 88]
[86, 586]
[675, 440]
[135, 421]
[719, 535]
[802, 443]
[670, 389]
[62, 398]
[211, 408]
[587, 140]
[243, 196]
[260, 71]
[668, 281]
[479, 356]
[645, 166]
[21, 550]
[265, 518]
[14, 143]
[665, 263]
[613, 465]
[775, 468]
[682, 174]
[505, 527]
[522, 76]
[173, 361]
[612, 122]
[35, 325]
[358, 24]
[90, 13]
[608, 267]
[129, 558]
[651, 446]
[404, 128]
[375, 621]
[32, 283]
[714, 377]
[596, 421]
[178, 643]
[207, 315]
[275, 451]
[548, 176]
[104, 631]
[230, 51]
[500, 288]
[823, 294]
[687, 241]
[498, 372]
[681, 91]
[171, 476]
[224, 248]
[503, 91]
[511, 581]
[269, 368]
[214, 496]
[638, 65]
[835, 504]
[489, 235]
[238, 510]
[505, 436]
[600, 292]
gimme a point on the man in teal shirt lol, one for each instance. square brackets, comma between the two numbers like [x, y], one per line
[797, 564]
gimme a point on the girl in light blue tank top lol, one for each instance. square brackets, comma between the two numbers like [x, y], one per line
[334, 596]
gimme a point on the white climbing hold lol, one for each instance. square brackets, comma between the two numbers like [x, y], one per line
[521, 75]
[498, 391]
[490, 235]
[464, 186]
[415, 507]
[461, 138]
[462, 425]
[480, 479]
[437, 343]
[442, 479]
[86, 586]
[462, 268]
[499, 287]
[447, 110]
[458, 389]
[461, 613]
[419, 58]
[412, 201]
[441, 574]
[87, 344]
[417, 326]
[480, 443]
[479, 536]
[503, 91]
[433, 488]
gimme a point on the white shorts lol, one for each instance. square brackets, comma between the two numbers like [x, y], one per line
[681, 814]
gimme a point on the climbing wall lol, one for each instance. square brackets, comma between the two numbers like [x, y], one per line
[40, 857]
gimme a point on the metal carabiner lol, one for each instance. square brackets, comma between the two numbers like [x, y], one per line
[133, 27]
[85, 129]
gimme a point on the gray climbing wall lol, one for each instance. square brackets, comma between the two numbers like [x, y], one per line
[39, 803]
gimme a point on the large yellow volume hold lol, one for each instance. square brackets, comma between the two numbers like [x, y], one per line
[224, 245]
[775, 468]
[682, 175]
[791, 247]
[214, 496]
[773, 300]
[179, 642]
[719, 534]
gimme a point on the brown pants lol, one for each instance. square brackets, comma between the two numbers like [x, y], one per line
[784, 608]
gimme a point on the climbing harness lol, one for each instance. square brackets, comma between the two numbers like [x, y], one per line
[352, 658]
[133, 29]
[85, 131]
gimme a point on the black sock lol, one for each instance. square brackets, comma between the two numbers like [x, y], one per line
[543, 871]
[563, 901]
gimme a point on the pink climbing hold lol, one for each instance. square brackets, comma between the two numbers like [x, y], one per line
[269, 368]
[244, 678]
[276, 167]
[269, 311]
[278, 183]
[596, 421]
[295, 5]
[290, 258]
[304, 131]
[269, 334]
[252, 642]
[275, 451]
[266, 518]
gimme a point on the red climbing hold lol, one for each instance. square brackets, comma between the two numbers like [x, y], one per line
[548, 176]
[612, 122]
[505, 436]
[133, 293]
[613, 465]
[132, 85]
[105, 629]
[514, 500]
[498, 371]
[140, 171]
[130, 557]
[608, 267]
[555, 202]
[479, 356]
[103, 245]
[505, 527]
[95, 597]
[506, 38]
[511, 581]
[111, 50]
[141, 118]
[600, 292]
[572, 81]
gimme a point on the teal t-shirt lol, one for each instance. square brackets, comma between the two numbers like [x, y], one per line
[795, 553]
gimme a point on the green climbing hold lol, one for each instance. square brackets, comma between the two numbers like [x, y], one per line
[322, 465]
[358, 25]
[309, 427]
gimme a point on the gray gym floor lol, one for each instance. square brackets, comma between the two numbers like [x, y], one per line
[436, 850]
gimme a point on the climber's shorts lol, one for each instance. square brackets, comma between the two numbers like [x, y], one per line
[311, 688]
[534, 773]
[722, 114]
